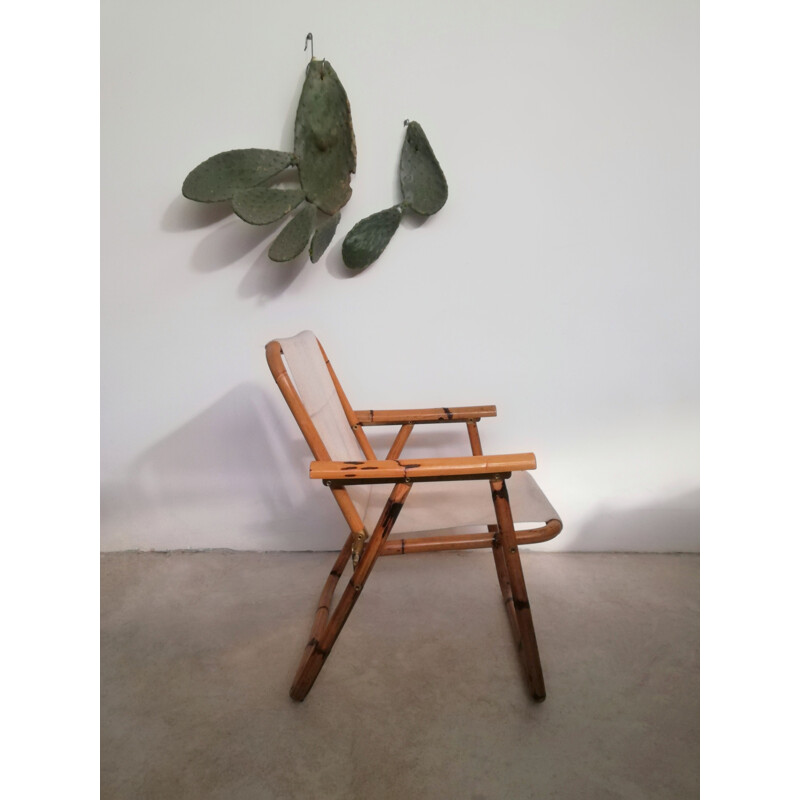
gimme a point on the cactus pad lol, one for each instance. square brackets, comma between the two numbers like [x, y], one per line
[322, 237]
[264, 204]
[221, 176]
[292, 240]
[368, 239]
[323, 138]
[421, 178]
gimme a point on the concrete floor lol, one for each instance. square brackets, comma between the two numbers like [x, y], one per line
[422, 696]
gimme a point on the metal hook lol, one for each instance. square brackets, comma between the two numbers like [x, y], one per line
[405, 123]
[310, 38]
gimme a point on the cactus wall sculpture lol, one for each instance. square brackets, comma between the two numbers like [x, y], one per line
[424, 189]
[325, 158]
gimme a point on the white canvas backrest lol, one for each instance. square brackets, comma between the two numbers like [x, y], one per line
[313, 383]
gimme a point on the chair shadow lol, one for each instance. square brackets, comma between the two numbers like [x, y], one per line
[239, 468]
[236, 475]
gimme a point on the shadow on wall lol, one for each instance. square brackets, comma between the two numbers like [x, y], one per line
[235, 476]
[231, 240]
[644, 528]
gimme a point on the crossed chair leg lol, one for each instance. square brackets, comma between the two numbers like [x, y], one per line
[326, 627]
[324, 632]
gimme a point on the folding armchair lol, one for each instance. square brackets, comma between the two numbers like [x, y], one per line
[432, 493]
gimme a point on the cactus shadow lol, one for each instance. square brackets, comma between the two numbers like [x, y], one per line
[287, 134]
[231, 239]
[335, 265]
[186, 215]
[267, 278]
[227, 244]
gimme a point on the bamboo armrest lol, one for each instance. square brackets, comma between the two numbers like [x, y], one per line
[425, 415]
[464, 468]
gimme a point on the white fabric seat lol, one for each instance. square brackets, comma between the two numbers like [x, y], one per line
[430, 506]
[454, 504]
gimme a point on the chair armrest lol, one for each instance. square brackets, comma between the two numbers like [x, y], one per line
[425, 415]
[465, 468]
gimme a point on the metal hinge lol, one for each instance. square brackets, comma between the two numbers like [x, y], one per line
[359, 540]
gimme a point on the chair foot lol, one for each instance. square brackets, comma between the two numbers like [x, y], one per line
[300, 689]
[306, 674]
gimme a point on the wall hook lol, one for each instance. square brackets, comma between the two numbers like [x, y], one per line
[310, 38]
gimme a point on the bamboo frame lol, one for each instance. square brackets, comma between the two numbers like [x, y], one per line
[438, 468]
[425, 415]
[502, 537]
[400, 441]
[468, 541]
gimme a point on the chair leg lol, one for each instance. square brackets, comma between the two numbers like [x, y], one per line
[505, 586]
[515, 594]
[318, 650]
[324, 604]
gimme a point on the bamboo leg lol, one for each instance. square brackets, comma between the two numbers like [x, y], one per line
[324, 604]
[498, 553]
[505, 589]
[312, 663]
[510, 570]
[474, 439]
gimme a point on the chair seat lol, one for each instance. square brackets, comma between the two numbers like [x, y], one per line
[454, 504]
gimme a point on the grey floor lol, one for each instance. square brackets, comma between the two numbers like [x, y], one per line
[422, 696]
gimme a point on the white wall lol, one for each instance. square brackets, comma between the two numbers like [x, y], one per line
[560, 281]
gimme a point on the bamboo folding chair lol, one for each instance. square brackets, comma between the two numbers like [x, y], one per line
[450, 493]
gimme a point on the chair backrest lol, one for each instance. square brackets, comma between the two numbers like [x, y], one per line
[316, 399]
